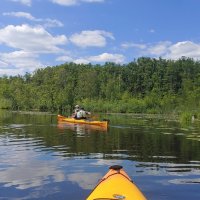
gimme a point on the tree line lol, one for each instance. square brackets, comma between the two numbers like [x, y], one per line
[146, 85]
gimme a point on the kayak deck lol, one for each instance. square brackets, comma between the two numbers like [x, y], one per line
[82, 121]
[116, 184]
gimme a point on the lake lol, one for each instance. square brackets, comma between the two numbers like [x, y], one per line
[43, 159]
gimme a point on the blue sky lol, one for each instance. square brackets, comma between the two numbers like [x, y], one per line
[39, 33]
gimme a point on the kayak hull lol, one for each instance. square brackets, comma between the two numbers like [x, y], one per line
[80, 128]
[82, 121]
[116, 184]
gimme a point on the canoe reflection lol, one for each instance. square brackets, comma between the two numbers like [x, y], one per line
[81, 129]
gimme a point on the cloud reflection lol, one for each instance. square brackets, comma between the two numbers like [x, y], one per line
[85, 180]
[31, 173]
[22, 167]
[185, 181]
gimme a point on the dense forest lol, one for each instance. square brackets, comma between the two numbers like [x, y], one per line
[146, 85]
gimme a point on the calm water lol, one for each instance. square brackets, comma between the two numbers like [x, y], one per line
[41, 159]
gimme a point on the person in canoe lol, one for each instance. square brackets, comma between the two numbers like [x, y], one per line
[82, 114]
[76, 109]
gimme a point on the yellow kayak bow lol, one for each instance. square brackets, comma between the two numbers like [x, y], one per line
[116, 185]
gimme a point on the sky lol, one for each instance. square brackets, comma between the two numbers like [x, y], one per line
[39, 33]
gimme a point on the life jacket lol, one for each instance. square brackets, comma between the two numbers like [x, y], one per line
[81, 114]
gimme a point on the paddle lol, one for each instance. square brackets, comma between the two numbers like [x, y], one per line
[94, 117]
[97, 117]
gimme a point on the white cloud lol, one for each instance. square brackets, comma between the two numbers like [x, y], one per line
[28, 44]
[160, 48]
[167, 49]
[19, 14]
[52, 23]
[64, 59]
[66, 2]
[96, 38]
[75, 2]
[175, 51]
[107, 57]
[10, 72]
[19, 58]
[31, 39]
[127, 45]
[102, 58]
[72, 59]
[93, 1]
[185, 48]
[47, 22]
[81, 61]
[25, 2]
[19, 62]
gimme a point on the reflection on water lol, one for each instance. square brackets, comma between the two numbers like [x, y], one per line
[43, 159]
